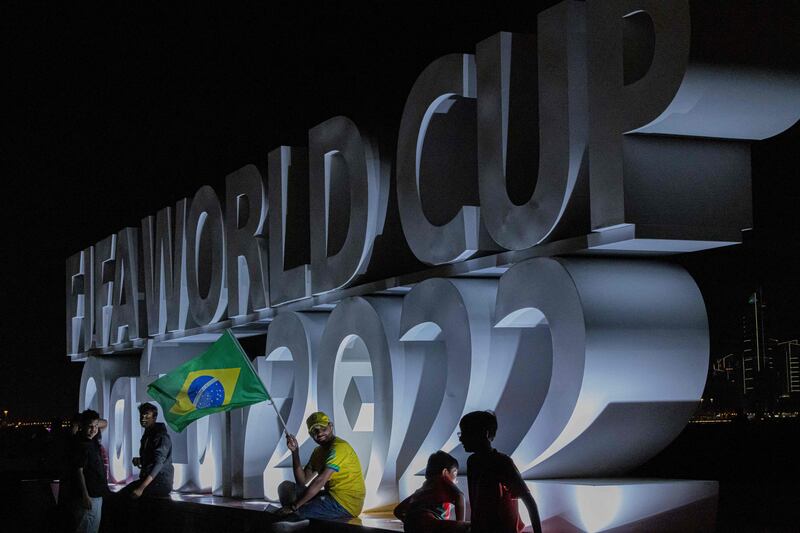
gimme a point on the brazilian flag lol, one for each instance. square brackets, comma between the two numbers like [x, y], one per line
[220, 379]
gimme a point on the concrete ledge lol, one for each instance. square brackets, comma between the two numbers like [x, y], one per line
[203, 513]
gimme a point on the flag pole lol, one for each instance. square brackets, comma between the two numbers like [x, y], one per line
[283, 422]
[250, 363]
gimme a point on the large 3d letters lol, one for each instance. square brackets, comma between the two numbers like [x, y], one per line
[357, 377]
[245, 231]
[446, 84]
[629, 360]
[508, 71]
[287, 169]
[206, 268]
[349, 189]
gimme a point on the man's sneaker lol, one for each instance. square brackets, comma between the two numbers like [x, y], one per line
[286, 527]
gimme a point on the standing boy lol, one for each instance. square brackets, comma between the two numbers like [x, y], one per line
[494, 482]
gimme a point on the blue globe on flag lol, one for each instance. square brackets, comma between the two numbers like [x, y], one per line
[206, 391]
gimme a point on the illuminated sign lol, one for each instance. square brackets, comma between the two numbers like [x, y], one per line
[593, 364]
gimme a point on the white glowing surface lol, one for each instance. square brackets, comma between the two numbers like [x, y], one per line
[118, 466]
[597, 505]
[90, 395]
[585, 412]
[208, 474]
[594, 505]
[426, 331]
[366, 417]
[179, 476]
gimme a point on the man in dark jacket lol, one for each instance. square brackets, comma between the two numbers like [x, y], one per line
[155, 457]
[85, 482]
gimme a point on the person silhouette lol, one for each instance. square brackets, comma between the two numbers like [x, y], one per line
[493, 480]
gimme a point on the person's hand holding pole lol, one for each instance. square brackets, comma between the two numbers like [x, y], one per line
[291, 443]
[300, 475]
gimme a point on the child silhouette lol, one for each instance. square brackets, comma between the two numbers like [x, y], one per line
[432, 507]
[494, 482]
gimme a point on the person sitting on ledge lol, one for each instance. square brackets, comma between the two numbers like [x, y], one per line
[338, 489]
[155, 457]
[431, 508]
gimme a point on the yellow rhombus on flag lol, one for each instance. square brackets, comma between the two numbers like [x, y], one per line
[220, 379]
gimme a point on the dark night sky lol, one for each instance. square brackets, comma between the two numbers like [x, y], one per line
[110, 115]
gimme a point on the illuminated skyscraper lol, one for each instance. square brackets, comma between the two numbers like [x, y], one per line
[788, 362]
[758, 372]
[752, 341]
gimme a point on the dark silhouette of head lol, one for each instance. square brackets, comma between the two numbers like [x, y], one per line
[478, 430]
[438, 462]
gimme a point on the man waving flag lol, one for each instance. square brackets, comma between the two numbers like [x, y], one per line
[220, 379]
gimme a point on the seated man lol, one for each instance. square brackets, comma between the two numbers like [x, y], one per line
[155, 457]
[338, 490]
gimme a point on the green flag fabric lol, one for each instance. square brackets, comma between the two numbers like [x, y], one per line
[220, 379]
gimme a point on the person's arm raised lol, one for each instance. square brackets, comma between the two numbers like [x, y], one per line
[301, 475]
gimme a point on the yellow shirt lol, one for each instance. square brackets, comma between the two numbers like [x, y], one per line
[346, 485]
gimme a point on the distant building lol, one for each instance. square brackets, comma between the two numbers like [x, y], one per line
[788, 364]
[757, 352]
[763, 373]
[723, 388]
